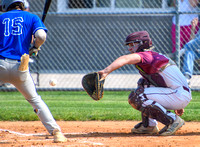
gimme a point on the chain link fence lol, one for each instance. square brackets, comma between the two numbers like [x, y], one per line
[87, 35]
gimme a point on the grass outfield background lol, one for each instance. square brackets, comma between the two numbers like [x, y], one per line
[77, 105]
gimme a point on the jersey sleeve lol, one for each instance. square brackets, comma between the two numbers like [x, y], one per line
[146, 57]
[38, 24]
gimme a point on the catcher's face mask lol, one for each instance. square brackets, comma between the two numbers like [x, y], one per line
[134, 45]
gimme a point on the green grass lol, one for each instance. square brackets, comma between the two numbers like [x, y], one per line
[77, 105]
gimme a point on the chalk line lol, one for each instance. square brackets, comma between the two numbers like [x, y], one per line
[38, 134]
[18, 133]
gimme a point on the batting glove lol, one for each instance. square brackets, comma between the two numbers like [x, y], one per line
[33, 51]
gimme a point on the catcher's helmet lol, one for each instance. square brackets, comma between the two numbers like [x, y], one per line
[142, 37]
[6, 3]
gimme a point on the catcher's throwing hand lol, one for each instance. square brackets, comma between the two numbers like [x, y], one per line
[179, 112]
[93, 85]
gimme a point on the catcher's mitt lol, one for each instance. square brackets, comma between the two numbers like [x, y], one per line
[93, 86]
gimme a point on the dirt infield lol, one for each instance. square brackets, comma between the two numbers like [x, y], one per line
[95, 133]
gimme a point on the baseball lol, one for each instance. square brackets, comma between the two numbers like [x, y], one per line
[53, 82]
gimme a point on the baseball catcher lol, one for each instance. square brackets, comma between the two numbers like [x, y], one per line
[162, 86]
[93, 85]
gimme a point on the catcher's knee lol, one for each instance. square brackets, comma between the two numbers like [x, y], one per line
[135, 100]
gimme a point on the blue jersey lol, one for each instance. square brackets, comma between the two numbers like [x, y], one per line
[16, 30]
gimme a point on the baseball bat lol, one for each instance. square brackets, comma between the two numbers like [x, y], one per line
[45, 10]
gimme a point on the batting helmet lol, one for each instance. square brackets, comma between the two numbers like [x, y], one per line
[142, 37]
[6, 3]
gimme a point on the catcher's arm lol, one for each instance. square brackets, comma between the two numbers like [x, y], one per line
[119, 62]
[39, 39]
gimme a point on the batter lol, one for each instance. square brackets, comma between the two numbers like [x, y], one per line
[16, 30]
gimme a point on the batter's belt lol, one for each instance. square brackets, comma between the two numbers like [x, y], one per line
[7, 59]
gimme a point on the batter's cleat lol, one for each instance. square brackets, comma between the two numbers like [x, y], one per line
[59, 137]
[140, 129]
[171, 129]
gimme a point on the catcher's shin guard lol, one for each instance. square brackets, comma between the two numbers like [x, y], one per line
[135, 100]
[157, 112]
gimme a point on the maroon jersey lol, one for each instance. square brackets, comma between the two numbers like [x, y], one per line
[152, 61]
[151, 65]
